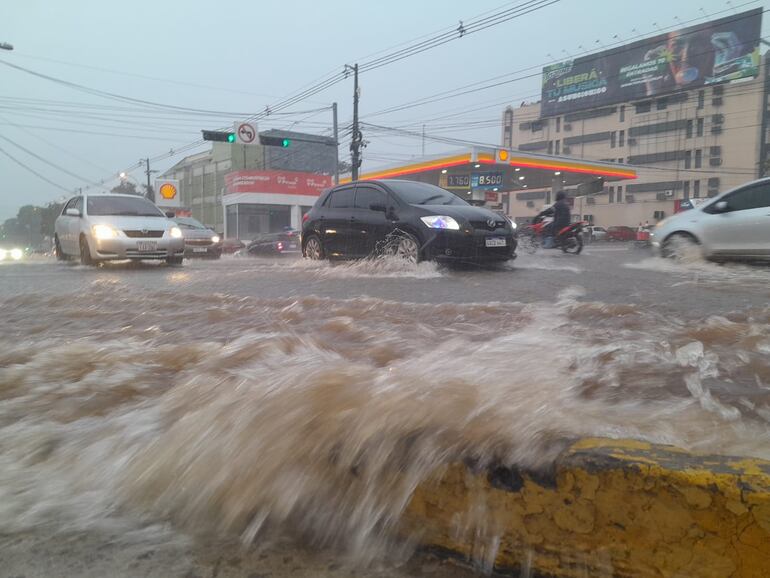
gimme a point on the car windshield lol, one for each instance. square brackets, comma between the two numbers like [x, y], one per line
[122, 206]
[415, 193]
[189, 223]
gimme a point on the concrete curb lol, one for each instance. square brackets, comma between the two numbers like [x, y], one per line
[618, 508]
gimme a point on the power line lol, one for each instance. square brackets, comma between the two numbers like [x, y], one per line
[46, 161]
[33, 171]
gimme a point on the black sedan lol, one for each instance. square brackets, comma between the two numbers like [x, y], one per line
[284, 243]
[413, 220]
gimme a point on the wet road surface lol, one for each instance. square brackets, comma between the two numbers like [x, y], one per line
[189, 421]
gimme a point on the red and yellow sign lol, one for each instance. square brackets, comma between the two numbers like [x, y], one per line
[167, 191]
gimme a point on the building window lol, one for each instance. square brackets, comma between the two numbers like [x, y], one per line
[613, 138]
[550, 147]
[696, 189]
[558, 124]
[645, 106]
[622, 138]
[619, 197]
[622, 113]
[612, 194]
[698, 158]
[689, 129]
[662, 104]
[620, 160]
[688, 159]
[700, 127]
[701, 98]
[686, 190]
[557, 147]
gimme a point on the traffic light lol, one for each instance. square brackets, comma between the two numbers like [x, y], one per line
[274, 141]
[218, 136]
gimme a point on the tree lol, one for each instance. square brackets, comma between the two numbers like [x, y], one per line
[126, 188]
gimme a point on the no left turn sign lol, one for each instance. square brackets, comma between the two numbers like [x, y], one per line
[246, 133]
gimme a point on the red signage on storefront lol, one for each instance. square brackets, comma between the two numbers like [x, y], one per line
[277, 182]
[491, 197]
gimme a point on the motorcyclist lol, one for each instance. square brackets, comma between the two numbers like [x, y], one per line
[561, 213]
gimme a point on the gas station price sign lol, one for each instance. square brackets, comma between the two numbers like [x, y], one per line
[486, 180]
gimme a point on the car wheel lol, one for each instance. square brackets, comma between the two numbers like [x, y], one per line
[60, 255]
[313, 249]
[407, 248]
[682, 247]
[85, 252]
[174, 261]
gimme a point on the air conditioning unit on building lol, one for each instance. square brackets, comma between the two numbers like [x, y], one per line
[668, 194]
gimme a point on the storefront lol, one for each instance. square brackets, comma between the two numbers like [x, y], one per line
[259, 202]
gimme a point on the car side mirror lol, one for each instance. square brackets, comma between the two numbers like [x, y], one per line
[170, 214]
[378, 207]
[722, 207]
[72, 212]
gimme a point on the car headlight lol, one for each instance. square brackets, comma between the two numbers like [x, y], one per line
[440, 222]
[175, 232]
[16, 254]
[215, 239]
[102, 232]
[3, 254]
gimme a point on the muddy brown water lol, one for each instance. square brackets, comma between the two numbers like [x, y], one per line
[156, 414]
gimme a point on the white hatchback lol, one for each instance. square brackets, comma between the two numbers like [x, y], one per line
[734, 225]
[104, 227]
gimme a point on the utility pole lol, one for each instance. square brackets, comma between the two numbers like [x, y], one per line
[423, 140]
[336, 145]
[150, 194]
[355, 143]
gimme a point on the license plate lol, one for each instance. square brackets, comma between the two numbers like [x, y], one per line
[147, 246]
[292, 245]
[496, 242]
[199, 249]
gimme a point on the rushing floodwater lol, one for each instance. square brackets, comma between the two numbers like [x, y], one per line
[317, 417]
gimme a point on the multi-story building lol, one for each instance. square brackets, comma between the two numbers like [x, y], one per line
[684, 144]
[202, 176]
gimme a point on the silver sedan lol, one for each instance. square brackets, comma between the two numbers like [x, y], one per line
[104, 227]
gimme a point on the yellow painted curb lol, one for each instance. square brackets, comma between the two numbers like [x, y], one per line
[614, 508]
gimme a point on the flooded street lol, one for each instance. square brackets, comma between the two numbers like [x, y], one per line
[262, 417]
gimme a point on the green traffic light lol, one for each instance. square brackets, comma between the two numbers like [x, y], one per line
[231, 137]
[285, 143]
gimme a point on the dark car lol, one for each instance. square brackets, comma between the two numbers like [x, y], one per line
[199, 240]
[284, 243]
[621, 234]
[409, 219]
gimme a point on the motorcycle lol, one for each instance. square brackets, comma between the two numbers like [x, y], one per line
[569, 239]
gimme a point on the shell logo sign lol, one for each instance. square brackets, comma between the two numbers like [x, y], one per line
[168, 193]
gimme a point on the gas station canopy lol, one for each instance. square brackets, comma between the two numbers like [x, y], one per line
[474, 172]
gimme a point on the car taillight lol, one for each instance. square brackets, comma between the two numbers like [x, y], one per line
[305, 217]
[279, 246]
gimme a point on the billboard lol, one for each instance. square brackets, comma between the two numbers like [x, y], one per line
[717, 51]
[277, 182]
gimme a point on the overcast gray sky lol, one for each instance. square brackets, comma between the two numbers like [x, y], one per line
[244, 55]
